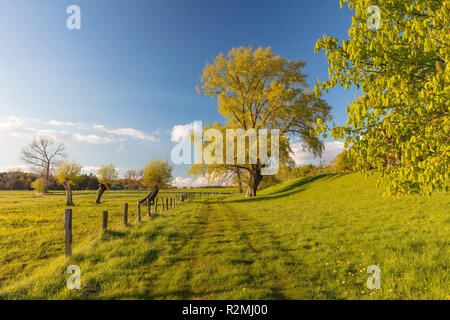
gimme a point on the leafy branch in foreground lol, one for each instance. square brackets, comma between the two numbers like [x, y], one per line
[400, 124]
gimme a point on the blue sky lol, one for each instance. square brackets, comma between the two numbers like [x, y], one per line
[114, 90]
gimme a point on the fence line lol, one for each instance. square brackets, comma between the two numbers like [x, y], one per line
[167, 204]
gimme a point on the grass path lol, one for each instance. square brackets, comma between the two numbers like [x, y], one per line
[203, 261]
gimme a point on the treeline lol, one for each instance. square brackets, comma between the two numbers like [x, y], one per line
[18, 180]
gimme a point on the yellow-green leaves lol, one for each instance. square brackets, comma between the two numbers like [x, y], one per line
[257, 89]
[107, 175]
[68, 172]
[157, 174]
[400, 123]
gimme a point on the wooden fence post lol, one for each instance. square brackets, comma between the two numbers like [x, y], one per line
[171, 204]
[125, 214]
[162, 204]
[105, 220]
[138, 211]
[148, 208]
[167, 204]
[68, 231]
[156, 205]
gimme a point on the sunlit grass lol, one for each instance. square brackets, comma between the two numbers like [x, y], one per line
[308, 238]
[31, 225]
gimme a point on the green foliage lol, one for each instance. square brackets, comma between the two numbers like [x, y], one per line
[343, 162]
[107, 175]
[40, 185]
[221, 171]
[308, 170]
[257, 89]
[68, 172]
[268, 182]
[157, 174]
[400, 124]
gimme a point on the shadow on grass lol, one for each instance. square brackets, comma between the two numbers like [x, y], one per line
[112, 234]
[297, 187]
[188, 294]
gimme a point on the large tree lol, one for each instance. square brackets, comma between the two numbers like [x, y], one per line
[107, 176]
[218, 168]
[257, 89]
[43, 155]
[400, 124]
[68, 174]
[157, 175]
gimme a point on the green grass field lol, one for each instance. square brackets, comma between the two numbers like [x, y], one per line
[309, 238]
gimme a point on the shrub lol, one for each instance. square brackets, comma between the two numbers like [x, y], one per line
[40, 185]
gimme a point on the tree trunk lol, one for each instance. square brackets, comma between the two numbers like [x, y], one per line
[239, 178]
[102, 188]
[47, 173]
[151, 196]
[253, 183]
[69, 200]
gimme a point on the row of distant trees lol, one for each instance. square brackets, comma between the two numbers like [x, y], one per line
[43, 156]
[53, 173]
[16, 179]
[46, 158]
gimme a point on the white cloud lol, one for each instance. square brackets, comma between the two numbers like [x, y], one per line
[181, 182]
[94, 170]
[90, 169]
[56, 123]
[128, 132]
[27, 129]
[181, 132]
[92, 138]
[301, 157]
[17, 166]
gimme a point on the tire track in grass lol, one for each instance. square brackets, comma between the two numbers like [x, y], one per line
[179, 277]
[217, 268]
[228, 257]
[266, 245]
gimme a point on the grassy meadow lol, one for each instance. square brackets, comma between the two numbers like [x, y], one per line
[31, 225]
[309, 238]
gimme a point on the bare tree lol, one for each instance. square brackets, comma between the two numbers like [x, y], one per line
[12, 176]
[41, 155]
[132, 177]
